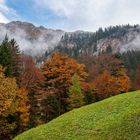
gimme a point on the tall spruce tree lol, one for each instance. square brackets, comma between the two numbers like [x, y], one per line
[15, 59]
[10, 57]
[5, 56]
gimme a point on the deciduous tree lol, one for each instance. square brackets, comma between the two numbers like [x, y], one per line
[58, 71]
[8, 103]
[75, 95]
[107, 85]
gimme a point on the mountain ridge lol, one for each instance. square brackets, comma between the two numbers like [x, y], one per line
[40, 41]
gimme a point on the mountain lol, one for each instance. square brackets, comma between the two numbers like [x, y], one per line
[111, 40]
[40, 41]
[31, 39]
[116, 118]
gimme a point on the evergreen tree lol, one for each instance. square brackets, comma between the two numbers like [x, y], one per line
[15, 58]
[5, 56]
[10, 57]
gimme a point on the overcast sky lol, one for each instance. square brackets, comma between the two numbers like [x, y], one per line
[71, 14]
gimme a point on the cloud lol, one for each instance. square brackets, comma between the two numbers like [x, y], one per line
[3, 10]
[91, 14]
[46, 39]
[6, 12]
[3, 19]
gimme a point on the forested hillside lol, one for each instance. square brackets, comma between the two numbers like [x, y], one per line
[79, 71]
[111, 40]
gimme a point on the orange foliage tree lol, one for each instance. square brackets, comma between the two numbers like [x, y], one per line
[106, 85]
[101, 63]
[13, 105]
[23, 109]
[58, 71]
[123, 80]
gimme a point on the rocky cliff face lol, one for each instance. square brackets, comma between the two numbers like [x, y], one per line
[122, 39]
[130, 41]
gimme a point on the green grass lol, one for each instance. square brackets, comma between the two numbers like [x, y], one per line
[116, 118]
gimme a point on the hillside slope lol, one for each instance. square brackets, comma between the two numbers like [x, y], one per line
[116, 118]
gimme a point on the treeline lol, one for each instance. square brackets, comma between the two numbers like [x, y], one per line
[75, 44]
[31, 96]
[111, 31]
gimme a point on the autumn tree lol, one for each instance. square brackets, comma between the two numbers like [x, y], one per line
[22, 109]
[107, 85]
[97, 64]
[75, 95]
[32, 80]
[8, 98]
[123, 80]
[13, 106]
[30, 76]
[58, 71]
[8, 103]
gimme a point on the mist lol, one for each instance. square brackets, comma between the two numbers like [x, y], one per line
[34, 45]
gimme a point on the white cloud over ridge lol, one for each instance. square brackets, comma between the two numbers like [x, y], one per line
[91, 14]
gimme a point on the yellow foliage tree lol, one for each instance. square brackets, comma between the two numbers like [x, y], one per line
[8, 104]
[13, 106]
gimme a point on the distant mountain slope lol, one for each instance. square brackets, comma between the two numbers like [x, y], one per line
[32, 40]
[38, 41]
[116, 118]
[111, 40]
